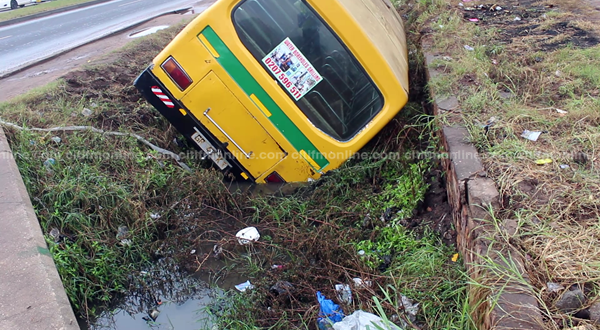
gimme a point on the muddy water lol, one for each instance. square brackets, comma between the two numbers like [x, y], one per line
[176, 300]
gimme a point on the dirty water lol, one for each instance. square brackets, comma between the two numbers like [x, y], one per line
[163, 297]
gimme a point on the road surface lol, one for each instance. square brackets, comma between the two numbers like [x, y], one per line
[31, 41]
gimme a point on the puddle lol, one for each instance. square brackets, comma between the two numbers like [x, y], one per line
[147, 31]
[181, 302]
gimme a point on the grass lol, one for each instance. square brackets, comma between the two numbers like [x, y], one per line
[108, 206]
[520, 81]
[38, 8]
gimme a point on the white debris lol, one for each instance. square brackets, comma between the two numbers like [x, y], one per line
[469, 48]
[554, 287]
[247, 235]
[242, 287]
[531, 135]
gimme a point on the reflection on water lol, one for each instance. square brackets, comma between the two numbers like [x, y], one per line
[175, 300]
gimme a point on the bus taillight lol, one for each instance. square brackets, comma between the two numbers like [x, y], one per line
[274, 178]
[176, 73]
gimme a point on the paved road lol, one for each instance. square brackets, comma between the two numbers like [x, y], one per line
[28, 42]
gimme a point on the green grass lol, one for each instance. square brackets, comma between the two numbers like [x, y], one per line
[38, 8]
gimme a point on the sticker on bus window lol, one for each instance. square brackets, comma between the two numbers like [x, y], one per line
[292, 69]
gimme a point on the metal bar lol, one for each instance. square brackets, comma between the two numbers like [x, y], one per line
[226, 135]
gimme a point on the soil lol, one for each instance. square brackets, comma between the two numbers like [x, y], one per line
[517, 21]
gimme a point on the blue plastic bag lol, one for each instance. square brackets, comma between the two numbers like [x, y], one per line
[330, 312]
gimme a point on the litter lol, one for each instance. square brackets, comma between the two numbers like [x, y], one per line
[49, 162]
[361, 320]
[122, 232]
[278, 267]
[359, 283]
[329, 312]
[455, 257]
[154, 216]
[56, 139]
[247, 235]
[469, 48]
[561, 112]
[282, 287]
[242, 287]
[498, 8]
[554, 287]
[543, 161]
[410, 308]
[564, 166]
[86, 112]
[474, 19]
[344, 293]
[531, 135]
[517, 18]
[126, 242]
[193, 251]
[361, 252]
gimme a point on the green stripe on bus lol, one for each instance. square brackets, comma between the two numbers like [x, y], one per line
[250, 86]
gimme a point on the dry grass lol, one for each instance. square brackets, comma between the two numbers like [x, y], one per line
[520, 73]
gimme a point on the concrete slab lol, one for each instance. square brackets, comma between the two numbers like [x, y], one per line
[31, 293]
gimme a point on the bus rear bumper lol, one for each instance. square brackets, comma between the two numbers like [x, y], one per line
[183, 120]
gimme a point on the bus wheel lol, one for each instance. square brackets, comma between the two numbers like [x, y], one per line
[13, 4]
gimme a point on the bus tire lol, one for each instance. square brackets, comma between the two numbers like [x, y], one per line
[13, 4]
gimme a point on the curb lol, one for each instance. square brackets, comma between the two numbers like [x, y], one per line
[50, 12]
[502, 303]
[32, 295]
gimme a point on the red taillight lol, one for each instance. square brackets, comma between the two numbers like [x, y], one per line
[176, 73]
[274, 178]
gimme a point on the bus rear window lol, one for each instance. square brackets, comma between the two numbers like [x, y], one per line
[312, 65]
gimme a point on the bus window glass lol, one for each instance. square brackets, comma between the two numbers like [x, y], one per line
[344, 99]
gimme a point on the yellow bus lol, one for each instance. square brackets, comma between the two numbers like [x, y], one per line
[282, 90]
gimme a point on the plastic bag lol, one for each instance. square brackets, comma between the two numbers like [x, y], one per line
[361, 320]
[330, 312]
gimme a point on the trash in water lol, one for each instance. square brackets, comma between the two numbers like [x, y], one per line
[56, 139]
[49, 162]
[564, 166]
[247, 235]
[344, 293]
[361, 320]
[474, 19]
[86, 112]
[329, 312]
[282, 287]
[543, 161]
[154, 314]
[554, 287]
[469, 48]
[359, 283]
[242, 287]
[531, 135]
